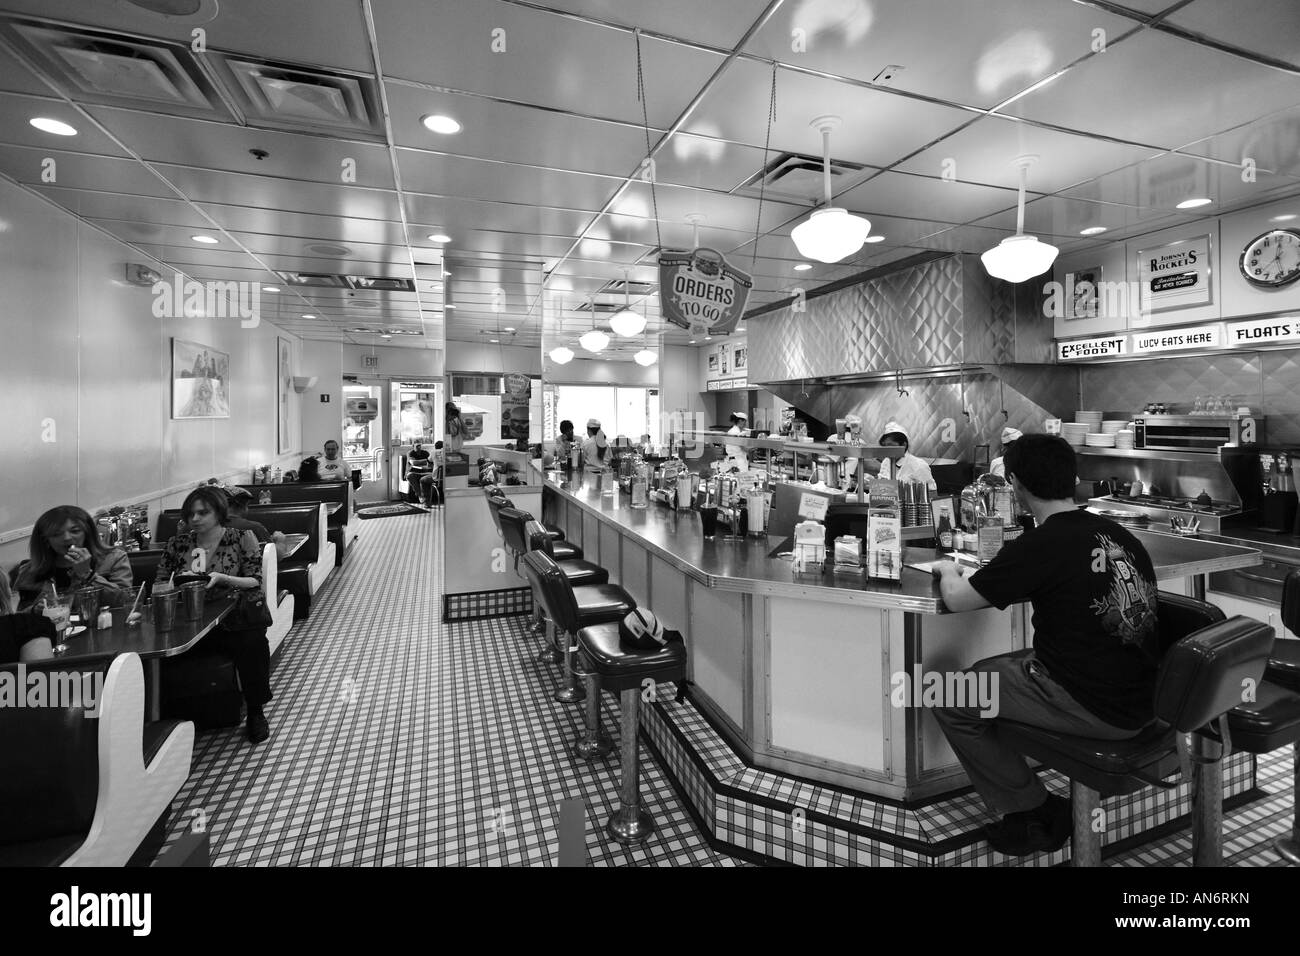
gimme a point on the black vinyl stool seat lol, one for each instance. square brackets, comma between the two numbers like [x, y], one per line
[562, 550]
[625, 670]
[570, 609]
[1205, 662]
[555, 531]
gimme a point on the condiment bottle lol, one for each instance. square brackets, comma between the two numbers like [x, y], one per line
[943, 538]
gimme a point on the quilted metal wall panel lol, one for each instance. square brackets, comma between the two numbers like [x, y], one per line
[1281, 373]
[1127, 387]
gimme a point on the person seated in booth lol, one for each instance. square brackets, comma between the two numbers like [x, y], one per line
[998, 465]
[596, 445]
[23, 637]
[233, 561]
[431, 483]
[419, 465]
[332, 467]
[66, 552]
[1092, 669]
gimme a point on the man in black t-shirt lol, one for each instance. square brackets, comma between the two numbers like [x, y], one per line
[1092, 669]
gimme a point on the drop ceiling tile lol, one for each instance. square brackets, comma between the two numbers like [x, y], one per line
[1273, 142]
[977, 54]
[1187, 92]
[516, 134]
[718, 23]
[692, 160]
[17, 78]
[1267, 27]
[222, 146]
[1065, 218]
[313, 32]
[267, 221]
[150, 209]
[904, 195]
[225, 188]
[530, 56]
[983, 153]
[720, 211]
[879, 128]
[1163, 182]
[1147, 7]
[459, 216]
[74, 171]
[16, 130]
[464, 178]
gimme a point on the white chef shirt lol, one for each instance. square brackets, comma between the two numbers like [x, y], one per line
[909, 468]
[737, 458]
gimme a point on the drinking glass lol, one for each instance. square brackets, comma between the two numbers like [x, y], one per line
[60, 613]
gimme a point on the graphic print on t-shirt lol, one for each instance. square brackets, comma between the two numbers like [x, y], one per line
[1127, 609]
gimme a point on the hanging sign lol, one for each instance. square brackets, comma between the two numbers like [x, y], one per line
[700, 291]
[1090, 348]
[1264, 330]
[1201, 337]
[514, 406]
[362, 410]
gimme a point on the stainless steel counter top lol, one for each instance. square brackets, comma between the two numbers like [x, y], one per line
[677, 537]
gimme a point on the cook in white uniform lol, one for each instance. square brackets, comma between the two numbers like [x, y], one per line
[593, 449]
[736, 455]
[907, 468]
[997, 467]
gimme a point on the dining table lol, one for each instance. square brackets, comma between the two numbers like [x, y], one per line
[290, 545]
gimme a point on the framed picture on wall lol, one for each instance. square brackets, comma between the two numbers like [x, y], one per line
[1175, 276]
[741, 356]
[284, 369]
[1081, 293]
[200, 381]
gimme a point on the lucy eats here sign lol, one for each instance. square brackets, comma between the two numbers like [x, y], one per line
[700, 291]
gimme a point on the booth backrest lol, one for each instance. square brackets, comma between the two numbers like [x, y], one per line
[50, 784]
[304, 518]
[330, 492]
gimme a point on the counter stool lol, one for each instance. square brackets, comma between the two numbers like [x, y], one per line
[523, 534]
[623, 670]
[564, 551]
[1268, 723]
[1204, 663]
[570, 609]
[555, 531]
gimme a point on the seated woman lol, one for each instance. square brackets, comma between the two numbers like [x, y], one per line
[233, 561]
[23, 637]
[66, 552]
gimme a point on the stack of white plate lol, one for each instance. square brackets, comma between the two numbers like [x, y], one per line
[1074, 433]
[1111, 427]
[1091, 419]
[1124, 439]
[1099, 440]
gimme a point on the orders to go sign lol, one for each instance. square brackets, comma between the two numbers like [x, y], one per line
[700, 290]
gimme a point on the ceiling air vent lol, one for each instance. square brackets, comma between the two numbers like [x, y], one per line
[106, 69]
[599, 308]
[292, 97]
[797, 176]
[615, 287]
[381, 283]
[313, 279]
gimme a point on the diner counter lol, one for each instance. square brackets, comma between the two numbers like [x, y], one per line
[746, 565]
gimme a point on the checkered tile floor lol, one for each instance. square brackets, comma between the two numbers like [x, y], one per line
[398, 740]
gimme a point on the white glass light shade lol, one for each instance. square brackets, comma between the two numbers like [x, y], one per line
[830, 234]
[627, 323]
[593, 341]
[561, 355]
[645, 357]
[1018, 258]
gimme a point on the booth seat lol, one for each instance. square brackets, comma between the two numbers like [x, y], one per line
[80, 792]
[306, 492]
[279, 601]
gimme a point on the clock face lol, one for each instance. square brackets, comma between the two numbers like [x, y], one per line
[1273, 259]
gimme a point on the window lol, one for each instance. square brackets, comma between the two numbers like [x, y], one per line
[629, 411]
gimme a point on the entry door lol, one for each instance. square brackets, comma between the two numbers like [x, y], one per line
[414, 414]
[365, 441]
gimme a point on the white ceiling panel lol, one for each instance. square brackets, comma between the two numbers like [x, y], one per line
[516, 134]
[200, 143]
[319, 32]
[92, 205]
[1273, 142]
[217, 186]
[1065, 218]
[1164, 182]
[879, 128]
[898, 194]
[457, 176]
[15, 127]
[720, 211]
[76, 171]
[1180, 92]
[717, 23]
[458, 216]
[984, 53]
[256, 219]
[1267, 27]
[706, 162]
[529, 56]
[983, 153]
[1147, 7]
[16, 78]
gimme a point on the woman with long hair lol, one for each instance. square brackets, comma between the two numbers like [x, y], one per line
[232, 561]
[455, 430]
[66, 551]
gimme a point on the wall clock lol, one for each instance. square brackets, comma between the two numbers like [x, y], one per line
[1272, 260]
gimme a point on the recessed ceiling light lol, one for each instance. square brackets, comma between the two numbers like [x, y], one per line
[508, 328]
[1193, 203]
[1285, 217]
[1092, 231]
[692, 341]
[802, 267]
[440, 237]
[308, 315]
[708, 338]
[437, 123]
[876, 238]
[445, 273]
[270, 288]
[57, 127]
[449, 305]
[495, 341]
[206, 240]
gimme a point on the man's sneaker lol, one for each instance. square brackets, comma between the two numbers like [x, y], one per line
[1042, 829]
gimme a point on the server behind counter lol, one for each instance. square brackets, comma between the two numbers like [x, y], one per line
[907, 468]
[596, 446]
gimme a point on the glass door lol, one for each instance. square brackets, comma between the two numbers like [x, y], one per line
[364, 438]
[415, 414]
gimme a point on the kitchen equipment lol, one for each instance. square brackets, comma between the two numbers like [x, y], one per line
[1196, 433]
[1161, 508]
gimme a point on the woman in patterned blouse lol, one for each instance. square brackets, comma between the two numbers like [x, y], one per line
[233, 561]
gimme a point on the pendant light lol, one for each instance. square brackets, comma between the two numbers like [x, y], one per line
[625, 322]
[646, 357]
[561, 355]
[595, 340]
[830, 234]
[1019, 257]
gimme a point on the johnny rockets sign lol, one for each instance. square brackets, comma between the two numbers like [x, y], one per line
[700, 291]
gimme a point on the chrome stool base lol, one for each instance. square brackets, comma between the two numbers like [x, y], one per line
[570, 695]
[1288, 848]
[602, 747]
[630, 825]
[594, 742]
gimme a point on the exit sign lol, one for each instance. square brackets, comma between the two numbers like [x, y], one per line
[370, 361]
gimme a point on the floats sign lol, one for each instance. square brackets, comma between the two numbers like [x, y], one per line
[700, 291]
